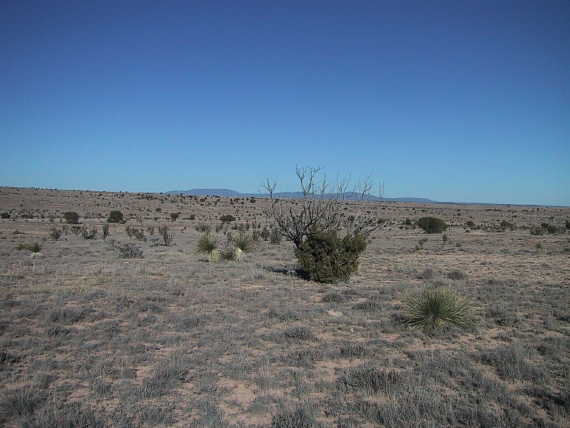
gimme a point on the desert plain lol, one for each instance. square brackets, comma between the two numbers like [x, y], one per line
[92, 337]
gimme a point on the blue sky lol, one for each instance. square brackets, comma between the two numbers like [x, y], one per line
[449, 100]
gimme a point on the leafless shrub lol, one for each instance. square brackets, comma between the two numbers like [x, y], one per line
[319, 210]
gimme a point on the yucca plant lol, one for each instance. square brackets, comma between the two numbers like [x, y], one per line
[435, 307]
[242, 240]
[206, 244]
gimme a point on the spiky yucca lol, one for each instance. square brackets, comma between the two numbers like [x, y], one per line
[435, 307]
[206, 244]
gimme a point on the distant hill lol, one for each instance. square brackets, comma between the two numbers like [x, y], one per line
[350, 196]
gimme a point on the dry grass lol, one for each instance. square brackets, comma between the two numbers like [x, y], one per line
[91, 339]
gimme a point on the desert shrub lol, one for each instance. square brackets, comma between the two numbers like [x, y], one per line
[206, 244]
[567, 224]
[5, 215]
[115, 216]
[435, 307]
[174, 216]
[470, 224]
[71, 217]
[550, 228]
[457, 275]
[150, 230]
[536, 230]
[167, 237]
[88, 233]
[255, 235]
[421, 244]
[202, 227]
[545, 228]
[299, 333]
[265, 233]
[55, 233]
[297, 419]
[34, 248]
[129, 251]
[136, 232]
[227, 218]
[22, 402]
[105, 231]
[432, 224]
[275, 236]
[506, 225]
[325, 257]
[242, 240]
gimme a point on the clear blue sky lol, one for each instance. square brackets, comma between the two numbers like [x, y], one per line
[450, 100]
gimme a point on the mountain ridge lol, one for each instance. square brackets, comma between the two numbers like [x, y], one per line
[228, 193]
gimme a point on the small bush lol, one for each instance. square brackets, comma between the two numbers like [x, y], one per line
[436, 307]
[325, 257]
[116, 216]
[275, 236]
[174, 216]
[202, 227]
[227, 218]
[536, 230]
[432, 224]
[129, 251]
[5, 215]
[243, 241]
[297, 419]
[88, 233]
[55, 233]
[206, 244]
[299, 333]
[167, 237]
[71, 217]
[265, 233]
[105, 231]
[136, 232]
[457, 275]
[34, 248]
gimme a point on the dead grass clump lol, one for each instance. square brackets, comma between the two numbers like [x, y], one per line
[129, 251]
[34, 248]
[299, 333]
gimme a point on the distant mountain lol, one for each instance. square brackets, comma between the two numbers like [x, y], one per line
[207, 192]
[349, 196]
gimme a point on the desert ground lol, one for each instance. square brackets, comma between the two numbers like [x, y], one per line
[92, 337]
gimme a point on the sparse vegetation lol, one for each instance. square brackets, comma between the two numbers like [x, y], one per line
[94, 335]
